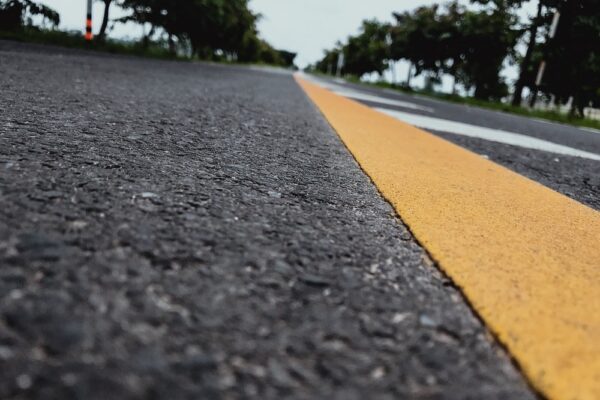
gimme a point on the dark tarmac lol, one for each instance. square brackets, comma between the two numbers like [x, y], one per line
[575, 177]
[174, 230]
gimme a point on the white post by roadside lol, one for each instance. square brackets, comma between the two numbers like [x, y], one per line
[340, 65]
[542, 67]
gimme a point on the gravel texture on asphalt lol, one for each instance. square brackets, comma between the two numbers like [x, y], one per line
[176, 230]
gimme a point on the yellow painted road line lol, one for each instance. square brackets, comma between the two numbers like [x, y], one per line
[526, 257]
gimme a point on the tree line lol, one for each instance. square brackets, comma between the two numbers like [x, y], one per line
[208, 29]
[473, 44]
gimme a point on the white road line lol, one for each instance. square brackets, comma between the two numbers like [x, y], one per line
[493, 135]
[381, 100]
[458, 128]
[590, 130]
[356, 95]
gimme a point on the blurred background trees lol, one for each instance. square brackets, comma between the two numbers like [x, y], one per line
[223, 30]
[15, 14]
[473, 43]
[368, 51]
[573, 56]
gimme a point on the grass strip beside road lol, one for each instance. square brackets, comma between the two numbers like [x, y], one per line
[76, 40]
[526, 257]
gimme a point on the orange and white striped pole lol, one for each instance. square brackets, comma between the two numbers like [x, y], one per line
[88, 22]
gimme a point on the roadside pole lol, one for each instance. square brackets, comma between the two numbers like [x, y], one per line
[542, 67]
[409, 76]
[340, 65]
[88, 22]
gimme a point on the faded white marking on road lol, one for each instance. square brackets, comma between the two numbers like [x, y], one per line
[590, 130]
[459, 128]
[381, 100]
[274, 70]
[356, 95]
[493, 135]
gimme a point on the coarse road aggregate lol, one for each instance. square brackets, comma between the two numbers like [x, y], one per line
[177, 230]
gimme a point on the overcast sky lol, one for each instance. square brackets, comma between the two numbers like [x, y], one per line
[303, 26]
[310, 26]
[306, 27]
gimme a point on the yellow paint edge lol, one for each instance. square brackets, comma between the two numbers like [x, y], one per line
[526, 257]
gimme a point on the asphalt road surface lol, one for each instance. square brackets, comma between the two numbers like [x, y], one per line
[576, 177]
[177, 230]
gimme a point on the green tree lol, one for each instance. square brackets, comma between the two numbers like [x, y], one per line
[431, 39]
[573, 56]
[329, 61]
[102, 33]
[364, 53]
[417, 37]
[526, 64]
[470, 45]
[368, 51]
[212, 27]
[488, 37]
[14, 14]
[287, 58]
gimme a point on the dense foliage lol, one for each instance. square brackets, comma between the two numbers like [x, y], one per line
[573, 55]
[208, 29]
[16, 13]
[474, 43]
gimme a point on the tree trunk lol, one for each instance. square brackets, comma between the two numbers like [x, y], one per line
[453, 72]
[410, 67]
[454, 86]
[479, 93]
[577, 107]
[172, 48]
[102, 33]
[147, 38]
[572, 111]
[518, 95]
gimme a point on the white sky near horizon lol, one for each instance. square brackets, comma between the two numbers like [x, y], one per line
[306, 27]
